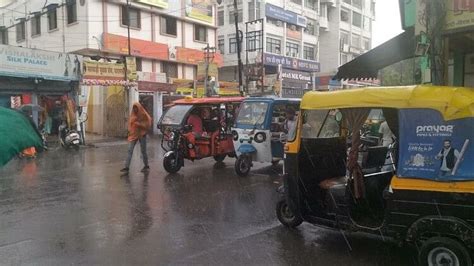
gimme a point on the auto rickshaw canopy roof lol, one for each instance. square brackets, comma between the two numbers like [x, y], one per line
[451, 102]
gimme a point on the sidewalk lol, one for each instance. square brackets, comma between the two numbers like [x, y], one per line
[95, 140]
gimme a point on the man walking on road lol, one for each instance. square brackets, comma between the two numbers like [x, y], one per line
[138, 125]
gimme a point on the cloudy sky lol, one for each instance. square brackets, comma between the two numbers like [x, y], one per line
[387, 21]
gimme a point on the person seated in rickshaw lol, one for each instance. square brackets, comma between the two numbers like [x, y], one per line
[290, 123]
[194, 120]
[210, 120]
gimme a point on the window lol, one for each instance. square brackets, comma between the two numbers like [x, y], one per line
[71, 10]
[3, 35]
[356, 19]
[324, 11]
[292, 49]
[311, 27]
[296, 1]
[254, 13]
[253, 41]
[313, 126]
[344, 38]
[171, 69]
[52, 19]
[366, 44]
[273, 45]
[356, 41]
[20, 31]
[344, 59]
[139, 63]
[133, 19]
[36, 25]
[347, 2]
[357, 3]
[220, 18]
[345, 15]
[372, 8]
[232, 45]
[168, 26]
[221, 45]
[367, 24]
[275, 22]
[309, 52]
[311, 4]
[232, 16]
[292, 27]
[200, 33]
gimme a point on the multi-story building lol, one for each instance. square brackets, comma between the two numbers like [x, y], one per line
[345, 32]
[286, 38]
[166, 37]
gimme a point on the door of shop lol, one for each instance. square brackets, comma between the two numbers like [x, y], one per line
[116, 113]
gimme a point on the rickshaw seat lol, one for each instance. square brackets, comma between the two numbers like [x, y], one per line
[331, 182]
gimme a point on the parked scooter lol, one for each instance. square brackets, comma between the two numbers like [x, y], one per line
[68, 138]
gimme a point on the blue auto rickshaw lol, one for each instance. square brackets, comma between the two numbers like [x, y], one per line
[261, 130]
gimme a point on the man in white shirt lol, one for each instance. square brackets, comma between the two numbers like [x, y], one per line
[387, 135]
[290, 123]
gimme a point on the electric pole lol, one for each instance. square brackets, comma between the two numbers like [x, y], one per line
[209, 53]
[238, 39]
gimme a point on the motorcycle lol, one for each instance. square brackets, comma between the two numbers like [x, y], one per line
[178, 148]
[68, 138]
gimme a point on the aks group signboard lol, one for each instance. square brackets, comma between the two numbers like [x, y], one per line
[279, 13]
[296, 76]
[291, 63]
[33, 63]
[432, 148]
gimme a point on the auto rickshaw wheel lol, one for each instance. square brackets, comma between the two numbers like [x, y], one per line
[443, 251]
[172, 163]
[219, 158]
[243, 165]
[286, 216]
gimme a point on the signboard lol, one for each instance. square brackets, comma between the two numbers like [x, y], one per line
[294, 34]
[157, 3]
[279, 13]
[99, 70]
[292, 63]
[296, 76]
[33, 63]
[459, 14]
[131, 68]
[147, 49]
[292, 93]
[194, 56]
[432, 148]
[200, 10]
[152, 77]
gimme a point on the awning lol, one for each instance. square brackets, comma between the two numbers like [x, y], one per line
[367, 65]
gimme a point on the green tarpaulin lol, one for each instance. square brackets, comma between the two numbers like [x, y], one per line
[16, 134]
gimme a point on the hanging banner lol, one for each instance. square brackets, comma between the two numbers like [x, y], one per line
[131, 68]
[459, 15]
[199, 9]
[34, 63]
[432, 148]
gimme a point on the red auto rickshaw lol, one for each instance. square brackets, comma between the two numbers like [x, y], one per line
[196, 128]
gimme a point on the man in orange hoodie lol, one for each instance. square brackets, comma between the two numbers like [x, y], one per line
[138, 125]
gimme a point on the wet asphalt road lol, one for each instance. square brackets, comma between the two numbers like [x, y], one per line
[67, 207]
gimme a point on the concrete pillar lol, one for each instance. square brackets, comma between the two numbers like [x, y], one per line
[34, 100]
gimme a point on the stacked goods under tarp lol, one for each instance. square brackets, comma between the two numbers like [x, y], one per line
[16, 134]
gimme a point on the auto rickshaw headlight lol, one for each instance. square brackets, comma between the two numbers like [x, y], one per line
[235, 135]
[260, 137]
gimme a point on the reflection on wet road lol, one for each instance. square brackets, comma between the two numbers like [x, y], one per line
[75, 208]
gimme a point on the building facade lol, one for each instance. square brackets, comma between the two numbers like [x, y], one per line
[166, 37]
[284, 41]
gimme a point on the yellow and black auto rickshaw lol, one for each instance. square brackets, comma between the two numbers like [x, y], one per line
[415, 187]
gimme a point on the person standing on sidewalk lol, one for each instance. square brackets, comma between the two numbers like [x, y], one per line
[138, 125]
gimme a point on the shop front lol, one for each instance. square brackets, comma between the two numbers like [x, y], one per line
[106, 98]
[292, 76]
[47, 80]
[152, 88]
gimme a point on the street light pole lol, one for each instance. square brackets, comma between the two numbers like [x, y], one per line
[237, 37]
[128, 28]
